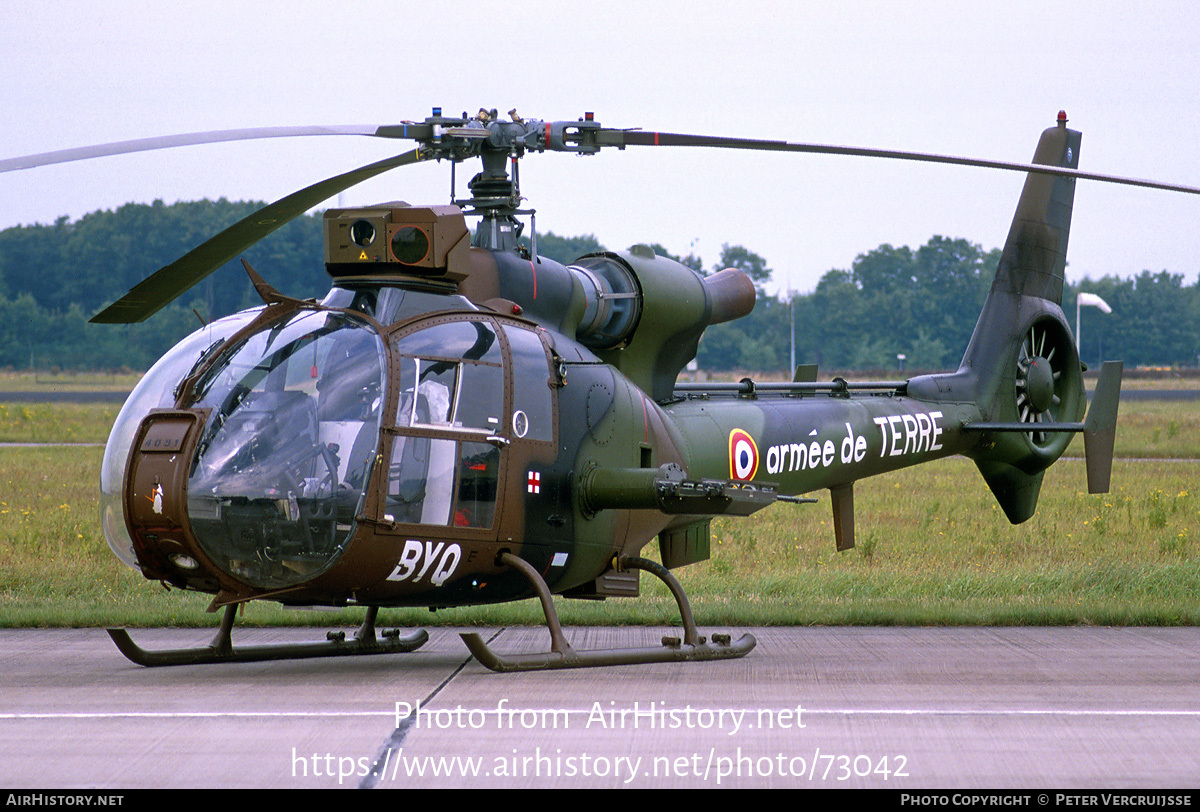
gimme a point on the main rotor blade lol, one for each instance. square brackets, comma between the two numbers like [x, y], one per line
[166, 284]
[183, 140]
[640, 138]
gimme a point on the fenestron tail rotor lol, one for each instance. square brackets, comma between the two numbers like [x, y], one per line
[1039, 377]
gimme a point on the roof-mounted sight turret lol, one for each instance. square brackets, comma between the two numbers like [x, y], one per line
[398, 241]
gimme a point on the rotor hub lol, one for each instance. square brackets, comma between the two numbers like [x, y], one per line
[1039, 384]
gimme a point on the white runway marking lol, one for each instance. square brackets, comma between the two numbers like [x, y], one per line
[586, 712]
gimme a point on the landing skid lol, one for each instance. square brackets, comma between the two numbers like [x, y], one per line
[221, 649]
[561, 655]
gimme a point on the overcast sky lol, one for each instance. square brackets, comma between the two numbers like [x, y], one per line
[949, 77]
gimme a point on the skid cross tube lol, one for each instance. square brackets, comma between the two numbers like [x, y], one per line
[561, 655]
[221, 649]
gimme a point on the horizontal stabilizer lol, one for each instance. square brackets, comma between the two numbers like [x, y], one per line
[1021, 427]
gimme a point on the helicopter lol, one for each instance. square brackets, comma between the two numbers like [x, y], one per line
[461, 421]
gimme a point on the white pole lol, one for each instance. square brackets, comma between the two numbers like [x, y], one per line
[1078, 341]
[1087, 300]
[792, 321]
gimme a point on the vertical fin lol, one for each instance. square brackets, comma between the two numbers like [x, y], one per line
[1029, 277]
[1100, 428]
[1025, 300]
[1035, 254]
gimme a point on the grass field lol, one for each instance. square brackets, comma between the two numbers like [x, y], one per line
[933, 547]
[56, 422]
[48, 381]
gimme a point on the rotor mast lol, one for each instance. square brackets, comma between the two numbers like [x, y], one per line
[495, 193]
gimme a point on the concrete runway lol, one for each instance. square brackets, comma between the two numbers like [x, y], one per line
[892, 708]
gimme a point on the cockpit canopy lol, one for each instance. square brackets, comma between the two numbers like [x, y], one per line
[322, 416]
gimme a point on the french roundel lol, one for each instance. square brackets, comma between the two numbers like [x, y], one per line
[743, 455]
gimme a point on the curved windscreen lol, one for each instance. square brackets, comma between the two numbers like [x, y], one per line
[286, 452]
[156, 390]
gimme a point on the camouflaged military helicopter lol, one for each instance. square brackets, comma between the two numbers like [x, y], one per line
[461, 421]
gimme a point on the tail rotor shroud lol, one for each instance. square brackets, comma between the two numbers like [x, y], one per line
[1042, 383]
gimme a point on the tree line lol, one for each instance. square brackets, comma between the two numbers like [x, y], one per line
[921, 303]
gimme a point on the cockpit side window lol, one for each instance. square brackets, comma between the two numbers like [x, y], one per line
[452, 376]
[442, 471]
